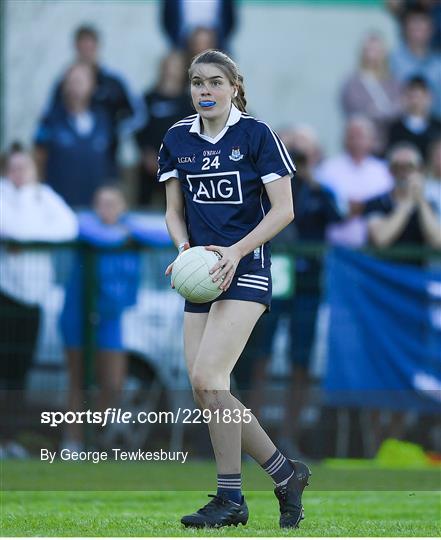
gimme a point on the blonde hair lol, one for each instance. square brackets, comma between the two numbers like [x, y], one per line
[383, 71]
[230, 70]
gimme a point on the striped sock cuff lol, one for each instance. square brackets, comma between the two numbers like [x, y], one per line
[227, 482]
[274, 463]
[278, 467]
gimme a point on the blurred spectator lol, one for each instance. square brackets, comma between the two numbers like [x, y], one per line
[414, 56]
[372, 90]
[302, 142]
[126, 111]
[117, 278]
[314, 207]
[166, 103]
[399, 9]
[416, 125]
[432, 185]
[404, 215]
[30, 211]
[74, 141]
[354, 176]
[180, 18]
[199, 40]
[401, 217]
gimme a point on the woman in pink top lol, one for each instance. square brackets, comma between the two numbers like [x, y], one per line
[372, 90]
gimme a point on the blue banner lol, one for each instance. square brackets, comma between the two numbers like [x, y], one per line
[384, 344]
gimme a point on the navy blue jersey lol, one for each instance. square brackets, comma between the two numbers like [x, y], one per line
[222, 179]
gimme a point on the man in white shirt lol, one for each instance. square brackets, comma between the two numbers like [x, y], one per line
[355, 176]
[180, 18]
[29, 211]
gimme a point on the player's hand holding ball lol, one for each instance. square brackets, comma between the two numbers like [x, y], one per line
[200, 274]
[190, 275]
[223, 271]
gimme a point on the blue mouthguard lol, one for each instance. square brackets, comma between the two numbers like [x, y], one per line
[207, 103]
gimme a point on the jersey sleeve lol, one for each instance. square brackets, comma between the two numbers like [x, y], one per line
[166, 164]
[271, 156]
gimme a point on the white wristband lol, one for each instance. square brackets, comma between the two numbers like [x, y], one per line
[182, 246]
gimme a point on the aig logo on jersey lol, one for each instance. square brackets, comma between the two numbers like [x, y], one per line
[216, 188]
[235, 154]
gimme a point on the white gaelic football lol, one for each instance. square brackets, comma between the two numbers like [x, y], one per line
[191, 277]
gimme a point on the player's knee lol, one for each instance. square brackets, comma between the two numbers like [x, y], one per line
[212, 400]
[203, 379]
[200, 380]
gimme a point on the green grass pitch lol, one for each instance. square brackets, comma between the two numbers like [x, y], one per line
[110, 512]
[157, 514]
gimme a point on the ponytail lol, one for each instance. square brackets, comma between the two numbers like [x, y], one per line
[240, 100]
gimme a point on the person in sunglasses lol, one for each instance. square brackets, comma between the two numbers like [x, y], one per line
[404, 215]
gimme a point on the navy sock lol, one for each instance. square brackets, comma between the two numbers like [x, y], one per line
[279, 468]
[231, 485]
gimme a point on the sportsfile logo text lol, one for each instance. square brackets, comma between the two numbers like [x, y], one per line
[118, 416]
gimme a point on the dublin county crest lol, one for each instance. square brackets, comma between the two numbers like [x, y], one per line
[235, 154]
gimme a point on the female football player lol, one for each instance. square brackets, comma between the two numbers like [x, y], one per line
[228, 187]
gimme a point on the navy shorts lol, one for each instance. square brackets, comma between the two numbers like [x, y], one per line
[254, 286]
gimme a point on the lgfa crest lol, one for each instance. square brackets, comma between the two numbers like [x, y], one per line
[235, 154]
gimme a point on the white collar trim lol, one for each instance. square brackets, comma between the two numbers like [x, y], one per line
[233, 118]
